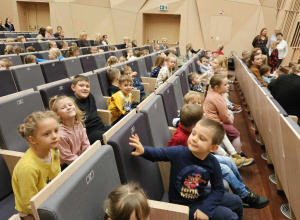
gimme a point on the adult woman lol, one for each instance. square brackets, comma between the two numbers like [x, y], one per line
[98, 39]
[255, 62]
[261, 41]
[9, 25]
[42, 33]
[49, 33]
[82, 39]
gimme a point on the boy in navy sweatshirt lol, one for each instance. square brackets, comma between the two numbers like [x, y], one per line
[191, 169]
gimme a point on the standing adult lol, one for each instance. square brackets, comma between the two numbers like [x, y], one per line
[282, 48]
[261, 41]
[2, 27]
[273, 37]
[9, 25]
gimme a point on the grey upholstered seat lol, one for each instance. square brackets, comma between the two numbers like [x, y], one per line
[14, 58]
[53, 70]
[184, 80]
[7, 83]
[72, 65]
[178, 91]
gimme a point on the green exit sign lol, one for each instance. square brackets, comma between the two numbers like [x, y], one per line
[163, 8]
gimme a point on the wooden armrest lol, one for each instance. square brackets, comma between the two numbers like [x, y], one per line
[151, 81]
[165, 168]
[11, 158]
[168, 211]
[105, 115]
[136, 95]
[15, 217]
[294, 117]
[146, 88]
[172, 130]
[106, 98]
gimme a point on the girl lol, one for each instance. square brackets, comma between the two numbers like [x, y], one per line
[5, 64]
[189, 53]
[10, 40]
[215, 64]
[122, 59]
[73, 138]
[129, 53]
[261, 41]
[98, 39]
[49, 33]
[30, 49]
[127, 202]
[215, 108]
[111, 61]
[73, 52]
[52, 44]
[94, 50]
[82, 40]
[166, 71]
[219, 50]
[30, 59]
[42, 33]
[40, 164]
[64, 45]
[21, 39]
[17, 50]
[273, 56]
[158, 64]
[54, 54]
[9, 49]
[9, 25]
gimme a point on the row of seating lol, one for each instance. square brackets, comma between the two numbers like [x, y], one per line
[8, 34]
[278, 132]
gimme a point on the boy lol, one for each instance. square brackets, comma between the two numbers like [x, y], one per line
[266, 76]
[195, 82]
[204, 65]
[164, 45]
[146, 52]
[94, 50]
[95, 128]
[113, 75]
[120, 102]
[191, 169]
[126, 70]
[189, 116]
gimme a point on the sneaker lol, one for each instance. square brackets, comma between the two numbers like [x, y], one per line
[235, 110]
[247, 161]
[255, 201]
[242, 154]
[238, 161]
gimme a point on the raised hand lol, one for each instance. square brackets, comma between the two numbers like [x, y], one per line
[135, 142]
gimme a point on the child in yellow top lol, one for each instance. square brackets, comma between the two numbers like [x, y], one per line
[120, 102]
[40, 164]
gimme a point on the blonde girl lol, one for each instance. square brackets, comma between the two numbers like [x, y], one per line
[215, 64]
[98, 39]
[64, 45]
[73, 138]
[21, 39]
[10, 40]
[166, 71]
[52, 44]
[49, 33]
[73, 52]
[40, 164]
[9, 49]
[5, 64]
[158, 64]
[111, 61]
[54, 53]
[127, 202]
[129, 53]
[122, 59]
[83, 40]
[94, 50]
[30, 59]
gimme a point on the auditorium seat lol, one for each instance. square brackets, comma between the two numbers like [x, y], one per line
[103, 80]
[53, 70]
[45, 55]
[64, 52]
[150, 59]
[108, 54]
[16, 44]
[14, 58]
[86, 50]
[44, 45]
[88, 63]
[36, 45]
[72, 65]
[28, 76]
[118, 53]
[100, 60]
[10, 35]
[178, 91]
[183, 74]
[2, 47]
[7, 83]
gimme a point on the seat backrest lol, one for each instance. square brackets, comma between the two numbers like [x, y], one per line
[17, 44]
[88, 63]
[100, 60]
[2, 47]
[13, 112]
[108, 54]
[96, 90]
[5, 180]
[28, 76]
[22, 55]
[142, 68]
[149, 63]
[178, 91]
[118, 53]
[72, 65]
[169, 100]
[45, 55]
[53, 70]
[157, 121]
[44, 45]
[14, 58]
[184, 80]
[134, 66]
[178, 51]
[86, 50]
[36, 45]
[58, 88]
[98, 172]
[133, 168]
[7, 83]
[64, 52]
[103, 80]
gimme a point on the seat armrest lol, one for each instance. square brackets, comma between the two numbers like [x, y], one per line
[172, 130]
[106, 98]
[146, 88]
[105, 115]
[169, 211]
[136, 95]
[151, 81]
[11, 158]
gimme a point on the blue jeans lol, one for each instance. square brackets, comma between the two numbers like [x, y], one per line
[231, 174]
[230, 208]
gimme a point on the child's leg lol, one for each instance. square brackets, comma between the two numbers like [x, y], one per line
[230, 149]
[237, 144]
[97, 134]
[220, 151]
[234, 136]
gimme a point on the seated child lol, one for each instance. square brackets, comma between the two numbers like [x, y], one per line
[125, 200]
[29, 59]
[195, 82]
[204, 65]
[126, 70]
[5, 64]
[95, 128]
[94, 50]
[129, 54]
[266, 76]
[156, 48]
[73, 51]
[113, 75]
[40, 164]
[112, 60]
[190, 114]
[158, 64]
[30, 49]
[64, 45]
[120, 102]
[166, 71]
[196, 162]
[17, 50]
[122, 59]
[146, 52]
[73, 138]
[54, 54]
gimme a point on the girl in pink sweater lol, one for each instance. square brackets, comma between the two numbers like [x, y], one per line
[215, 108]
[74, 140]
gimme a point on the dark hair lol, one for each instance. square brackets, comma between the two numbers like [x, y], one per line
[6, 20]
[217, 130]
[204, 57]
[264, 69]
[251, 58]
[42, 31]
[279, 34]
[190, 114]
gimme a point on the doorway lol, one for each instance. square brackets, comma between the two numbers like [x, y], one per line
[33, 15]
[158, 26]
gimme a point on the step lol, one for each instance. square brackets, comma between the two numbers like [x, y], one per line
[291, 64]
[285, 69]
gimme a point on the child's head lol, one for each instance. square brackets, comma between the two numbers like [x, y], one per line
[129, 45]
[81, 86]
[156, 47]
[222, 71]
[217, 63]
[122, 59]
[59, 28]
[245, 53]
[146, 52]
[159, 61]
[219, 83]
[73, 44]
[40, 130]
[93, 50]
[189, 47]
[171, 62]
[205, 137]
[164, 41]
[17, 50]
[29, 59]
[64, 45]
[5, 64]
[113, 75]
[83, 35]
[52, 44]
[194, 78]
[127, 202]
[66, 109]
[273, 44]
[54, 53]
[98, 36]
[21, 39]
[264, 70]
[10, 40]
[111, 48]
[137, 53]
[111, 61]
[126, 70]
[9, 49]
[125, 84]
[30, 49]
[193, 97]
[205, 60]
[129, 52]
[264, 59]
[60, 34]
[190, 114]
[73, 52]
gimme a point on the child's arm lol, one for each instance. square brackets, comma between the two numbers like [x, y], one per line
[204, 75]
[222, 111]
[85, 140]
[138, 84]
[115, 108]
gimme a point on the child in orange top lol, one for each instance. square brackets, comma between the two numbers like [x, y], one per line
[120, 102]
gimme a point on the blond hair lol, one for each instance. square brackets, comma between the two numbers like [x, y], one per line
[10, 40]
[122, 59]
[50, 44]
[29, 59]
[264, 59]
[78, 78]
[7, 62]
[192, 95]
[17, 50]
[159, 61]
[98, 36]
[19, 38]
[82, 34]
[111, 61]
[112, 74]
[55, 51]
[9, 49]
[125, 78]
[48, 29]
[125, 68]
[164, 39]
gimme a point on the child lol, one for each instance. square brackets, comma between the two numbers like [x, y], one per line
[158, 64]
[264, 59]
[113, 75]
[129, 53]
[9, 49]
[195, 82]
[73, 138]
[204, 65]
[95, 128]
[166, 71]
[126, 70]
[112, 60]
[30, 59]
[125, 200]
[120, 102]
[164, 45]
[10, 40]
[30, 49]
[215, 64]
[21, 39]
[273, 56]
[5, 64]
[52, 44]
[266, 76]
[156, 48]
[64, 45]
[74, 44]
[190, 114]
[17, 50]
[146, 52]
[245, 55]
[111, 48]
[94, 50]
[122, 59]
[54, 54]
[73, 52]
[40, 164]
[191, 169]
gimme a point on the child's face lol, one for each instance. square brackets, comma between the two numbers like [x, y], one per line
[46, 136]
[77, 53]
[172, 62]
[215, 64]
[267, 74]
[200, 140]
[196, 101]
[223, 88]
[125, 88]
[66, 109]
[2, 65]
[23, 40]
[164, 42]
[81, 89]
[156, 47]
[54, 45]
[128, 72]
[196, 80]
[130, 53]
[205, 62]
[94, 50]
[52, 56]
